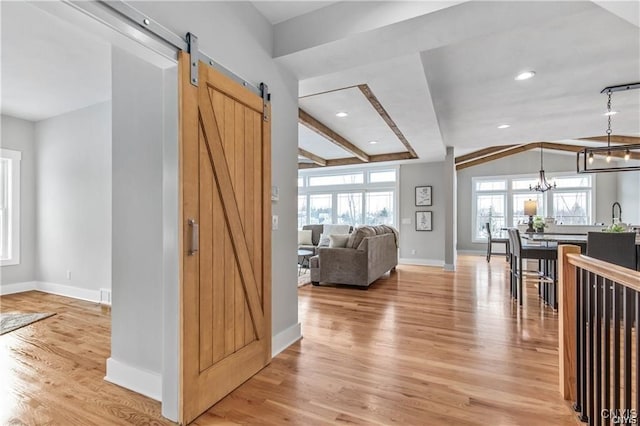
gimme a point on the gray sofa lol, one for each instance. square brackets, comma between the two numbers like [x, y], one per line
[316, 231]
[371, 251]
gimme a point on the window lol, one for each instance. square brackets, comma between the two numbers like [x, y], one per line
[336, 179]
[382, 176]
[379, 208]
[354, 197]
[302, 211]
[320, 210]
[10, 207]
[490, 208]
[500, 201]
[350, 208]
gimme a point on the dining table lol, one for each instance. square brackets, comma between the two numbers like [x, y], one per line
[553, 239]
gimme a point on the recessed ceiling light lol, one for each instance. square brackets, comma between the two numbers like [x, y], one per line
[610, 113]
[504, 126]
[373, 142]
[341, 114]
[526, 75]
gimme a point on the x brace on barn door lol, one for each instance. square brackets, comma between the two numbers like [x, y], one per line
[189, 44]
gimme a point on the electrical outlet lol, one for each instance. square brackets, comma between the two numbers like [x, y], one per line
[68, 275]
[413, 251]
[274, 222]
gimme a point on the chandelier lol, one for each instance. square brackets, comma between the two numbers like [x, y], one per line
[542, 185]
[620, 152]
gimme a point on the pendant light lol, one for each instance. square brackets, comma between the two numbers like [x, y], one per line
[542, 185]
[586, 156]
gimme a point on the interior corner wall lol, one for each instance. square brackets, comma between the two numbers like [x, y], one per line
[450, 184]
[606, 187]
[238, 37]
[73, 165]
[19, 135]
[428, 245]
[137, 242]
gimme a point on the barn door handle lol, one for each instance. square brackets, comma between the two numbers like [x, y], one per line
[195, 236]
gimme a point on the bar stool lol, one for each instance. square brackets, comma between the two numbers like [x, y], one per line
[520, 275]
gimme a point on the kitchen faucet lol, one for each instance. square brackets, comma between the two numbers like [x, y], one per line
[613, 212]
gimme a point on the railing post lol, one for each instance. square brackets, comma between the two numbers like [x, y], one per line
[567, 350]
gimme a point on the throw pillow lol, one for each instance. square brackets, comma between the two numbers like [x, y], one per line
[304, 237]
[338, 240]
[324, 240]
[359, 234]
[335, 229]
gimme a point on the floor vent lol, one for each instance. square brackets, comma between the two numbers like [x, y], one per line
[105, 296]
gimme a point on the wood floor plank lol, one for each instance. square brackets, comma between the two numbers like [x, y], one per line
[420, 347]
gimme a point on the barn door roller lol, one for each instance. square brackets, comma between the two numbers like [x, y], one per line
[134, 18]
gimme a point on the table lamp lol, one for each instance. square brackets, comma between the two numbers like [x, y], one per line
[530, 209]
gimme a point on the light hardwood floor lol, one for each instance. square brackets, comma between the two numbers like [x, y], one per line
[420, 347]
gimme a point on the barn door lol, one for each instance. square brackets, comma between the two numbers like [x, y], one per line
[226, 210]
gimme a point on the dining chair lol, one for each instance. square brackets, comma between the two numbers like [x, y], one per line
[519, 275]
[613, 247]
[491, 241]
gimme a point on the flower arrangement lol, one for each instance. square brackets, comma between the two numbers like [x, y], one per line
[538, 224]
[616, 227]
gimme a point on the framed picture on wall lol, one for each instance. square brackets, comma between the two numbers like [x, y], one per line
[423, 195]
[424, 221]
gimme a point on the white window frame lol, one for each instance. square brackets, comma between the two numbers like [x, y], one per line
[364, 188]
[509, 192]
[13, 196]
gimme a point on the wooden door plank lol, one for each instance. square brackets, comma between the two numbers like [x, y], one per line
[257, 187]
[237, 170]
[188, 197]
[223, 176]
[206, 185]
[266, 229]
[249, 210]
[220, 275]
[226, 117]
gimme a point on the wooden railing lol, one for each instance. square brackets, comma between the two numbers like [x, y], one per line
[599, 342]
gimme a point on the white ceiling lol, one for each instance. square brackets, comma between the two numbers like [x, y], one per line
[279, 11]
[444, 71]
[49, 67]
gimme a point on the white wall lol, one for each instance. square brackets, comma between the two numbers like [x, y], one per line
[137, 296]
[73, 163]
[19, 135]
[629, 196]
[429, 245]
[527, 163]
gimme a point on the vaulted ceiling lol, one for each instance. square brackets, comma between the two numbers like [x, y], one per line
[444, 73]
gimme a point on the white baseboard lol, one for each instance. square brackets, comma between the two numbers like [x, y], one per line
[286, 338]
[18, 287]
[70, 291]
[136, 379]
[474, 252]
[422, 262]
[52, 288]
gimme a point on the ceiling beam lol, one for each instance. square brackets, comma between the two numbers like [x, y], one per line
[614, 139]
[396, 156]
[373, 100]
[481, 153]
[326, 132]
[511, 151]
[311, 156]
[307, 166]
[526, 147]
